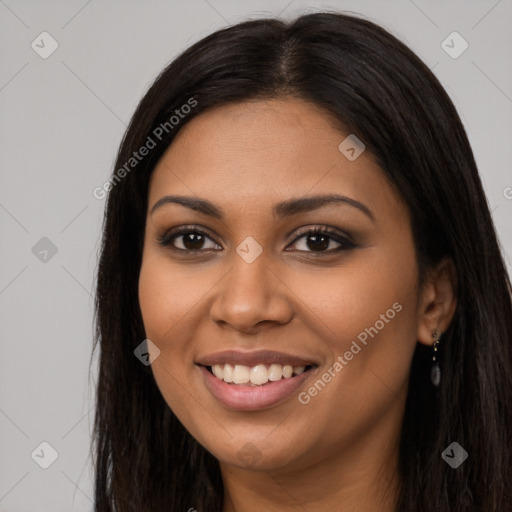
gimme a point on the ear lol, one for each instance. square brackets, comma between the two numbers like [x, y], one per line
[437, 300]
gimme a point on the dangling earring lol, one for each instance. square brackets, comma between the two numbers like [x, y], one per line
[435, 371]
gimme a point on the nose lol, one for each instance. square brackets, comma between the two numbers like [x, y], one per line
[251, 296]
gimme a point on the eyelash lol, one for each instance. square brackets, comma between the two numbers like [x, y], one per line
[166, 239]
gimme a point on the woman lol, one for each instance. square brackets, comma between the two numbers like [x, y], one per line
[301, 301]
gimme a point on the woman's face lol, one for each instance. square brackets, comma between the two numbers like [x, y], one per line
[323, 325]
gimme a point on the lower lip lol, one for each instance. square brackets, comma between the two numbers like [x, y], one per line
[252, 398]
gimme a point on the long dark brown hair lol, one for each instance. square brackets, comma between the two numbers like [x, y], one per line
[377, 88]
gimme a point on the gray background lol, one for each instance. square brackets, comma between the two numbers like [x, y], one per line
[61, 120]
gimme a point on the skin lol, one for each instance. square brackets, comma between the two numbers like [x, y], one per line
[339, 451]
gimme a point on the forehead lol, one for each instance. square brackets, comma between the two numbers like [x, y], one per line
[258, 152]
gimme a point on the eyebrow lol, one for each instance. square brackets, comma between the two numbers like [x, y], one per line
[283, 209]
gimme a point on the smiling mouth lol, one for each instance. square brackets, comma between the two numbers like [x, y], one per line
[257, 375]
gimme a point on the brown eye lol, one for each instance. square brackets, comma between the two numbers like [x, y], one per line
[187, 240]
[322, 241]
[192, 241]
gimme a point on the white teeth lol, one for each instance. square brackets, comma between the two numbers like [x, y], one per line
[287, 371]
[227, 373]
[259, 375]
[256, 375]
[297, 370]
[275, 372]
[241, 374]
[218, 371]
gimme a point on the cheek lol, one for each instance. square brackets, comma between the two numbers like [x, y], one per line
[342, 302]
[164, 306]
[174, 302]
[167, 295]
[369, 320]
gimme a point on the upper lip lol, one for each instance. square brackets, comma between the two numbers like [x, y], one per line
[254, 358]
